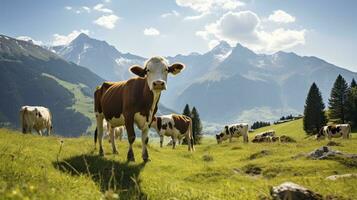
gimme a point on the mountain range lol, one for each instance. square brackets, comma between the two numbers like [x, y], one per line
[226, 84]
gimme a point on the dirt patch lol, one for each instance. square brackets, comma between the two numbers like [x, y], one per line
[252, 169]
[333, 143]
[207, 158]
[236, 148]
[259, 154]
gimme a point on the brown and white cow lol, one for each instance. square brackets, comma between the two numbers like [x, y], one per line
[174, 126]
[133, 101]
[233, 130]
[35, 117]
[334, 131]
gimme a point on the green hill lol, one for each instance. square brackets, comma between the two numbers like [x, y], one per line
[46, 168]
[32, 75]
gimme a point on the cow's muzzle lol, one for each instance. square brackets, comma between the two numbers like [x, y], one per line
[159, 85]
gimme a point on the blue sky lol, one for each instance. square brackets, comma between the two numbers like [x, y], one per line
[322, 28]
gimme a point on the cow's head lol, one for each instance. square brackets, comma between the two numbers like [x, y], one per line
[155, 70]
[219, 138]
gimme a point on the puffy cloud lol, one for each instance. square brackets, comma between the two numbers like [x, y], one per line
[151, 31]
[68, 8]
[107, 21]
[29, 39]
[207, 5]
[281, 16]
[245, 27]
[66, 39]
[169, 14]
[100, 7]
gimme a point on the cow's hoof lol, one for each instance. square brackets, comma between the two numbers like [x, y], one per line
[101, 152]
[131, 159]
[115, 152]
[146, 160]
[130, 156]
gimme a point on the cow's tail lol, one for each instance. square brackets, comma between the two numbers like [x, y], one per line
[190, 133]
[95, 136]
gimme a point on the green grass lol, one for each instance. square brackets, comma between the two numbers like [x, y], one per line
[82, 104]
[31, 166]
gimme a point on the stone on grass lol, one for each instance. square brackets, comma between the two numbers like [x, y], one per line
[292, 191]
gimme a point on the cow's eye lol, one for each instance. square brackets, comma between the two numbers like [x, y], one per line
[147, 71]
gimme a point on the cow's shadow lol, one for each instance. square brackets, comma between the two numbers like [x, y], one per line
[110, 175]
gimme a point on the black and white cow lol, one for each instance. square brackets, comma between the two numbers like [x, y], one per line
[334, 131]
[233, 130]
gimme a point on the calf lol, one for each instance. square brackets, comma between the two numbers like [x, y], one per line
[334, 131]
[35, 117]
[133, 102]
[176, 127]
[234, 130]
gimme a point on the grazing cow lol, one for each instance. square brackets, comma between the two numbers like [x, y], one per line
[334, 131]
[118, 132]
[35, 117]
[174, 126]
[234, 130]
[133, 101]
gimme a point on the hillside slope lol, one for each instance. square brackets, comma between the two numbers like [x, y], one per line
[22, 82]
[46, 168]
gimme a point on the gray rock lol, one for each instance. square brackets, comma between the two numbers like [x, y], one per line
[292, 191]
[335, 177]
[323, 153]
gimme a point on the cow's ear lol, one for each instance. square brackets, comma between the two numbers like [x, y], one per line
[176, 68]
[137, 70]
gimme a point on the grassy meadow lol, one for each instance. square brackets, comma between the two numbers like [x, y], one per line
[33, 167]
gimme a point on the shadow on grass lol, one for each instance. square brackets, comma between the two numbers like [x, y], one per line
[112, 176]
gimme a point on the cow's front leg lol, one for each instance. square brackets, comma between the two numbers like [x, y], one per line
[39, 132]
[144, 142]
[161, 140]
[129, 125]
[112, 140]
[230, 139]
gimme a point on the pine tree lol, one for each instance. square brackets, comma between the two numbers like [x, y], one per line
[352, 104]
[196, 126]
[187, 111]
[314, 115]
[338, 101]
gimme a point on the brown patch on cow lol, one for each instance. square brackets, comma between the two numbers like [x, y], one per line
[131, 96]
[182, 123]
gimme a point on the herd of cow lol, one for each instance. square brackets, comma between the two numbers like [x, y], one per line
[135, 101]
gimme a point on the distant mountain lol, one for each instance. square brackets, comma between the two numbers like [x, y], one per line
[32, 75]
[98, 56]
[245, 86]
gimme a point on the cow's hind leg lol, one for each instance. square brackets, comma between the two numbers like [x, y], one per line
[173, 142]
[145, 141]
[112, 140]
[161, 140]
[100, 118]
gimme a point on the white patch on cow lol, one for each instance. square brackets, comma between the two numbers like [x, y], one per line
[157, 70]
[115, 122]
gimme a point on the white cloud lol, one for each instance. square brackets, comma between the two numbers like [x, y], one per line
[100, 7]
[29, 39]
[107, 21]
[245, 27]
[169, 14]
[207, 5]
[68, 8]
[86, 9]
[281, 16]
[196, 17]
[66, 39]
[151, 31]
[107, 1]
[78, 11]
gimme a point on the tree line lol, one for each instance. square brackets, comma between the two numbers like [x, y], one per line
[259, 124]
[342, 106]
